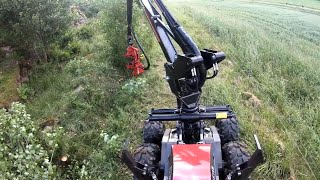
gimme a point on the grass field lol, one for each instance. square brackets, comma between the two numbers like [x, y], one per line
[271, 78]
[273, 53]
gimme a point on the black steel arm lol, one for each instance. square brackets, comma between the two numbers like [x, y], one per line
[186, 73]
[181, 36]
[174, 30]
[159, 30]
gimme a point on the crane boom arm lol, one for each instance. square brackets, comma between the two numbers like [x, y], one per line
[186, 73]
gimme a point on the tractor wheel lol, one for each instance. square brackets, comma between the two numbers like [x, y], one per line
[153, 132]
[228, 130]
[234, 153]
[149, 154]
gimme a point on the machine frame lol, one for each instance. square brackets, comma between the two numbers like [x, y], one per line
[186, 74]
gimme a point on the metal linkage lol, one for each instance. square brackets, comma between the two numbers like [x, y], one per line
[188, 117]
[226, 108]
[205, 113]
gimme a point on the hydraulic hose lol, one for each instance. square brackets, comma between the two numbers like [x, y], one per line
[132, 33]
[141, 48]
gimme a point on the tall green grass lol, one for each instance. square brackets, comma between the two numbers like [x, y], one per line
[99, 105]
[276, 62]
[94, 98]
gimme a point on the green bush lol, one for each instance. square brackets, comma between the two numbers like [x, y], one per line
[114, 25]
[90, 10]
[61, 55]
[22, 153]
[67, 48]
[135, 86]
[66, 39]
[24, 91]
[74, 47]
[81, 66]
[2, 54]
[86, 95]
[31, 30]
[84, 33]
[111, 144]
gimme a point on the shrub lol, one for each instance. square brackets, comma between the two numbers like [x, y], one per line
[60, 55]
[24, 91]
[22, 155]
[33, 29]
[66, 48]
[84, 33]
[74, 47]
[135, 86]
[111, 144]
[90, 10]
[115, 26]
[80, 67]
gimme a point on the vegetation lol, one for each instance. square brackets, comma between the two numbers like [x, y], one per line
[88, 96]
[8, 86]
[22, 153]
[83, 102]
[33, 29]
[275, 59]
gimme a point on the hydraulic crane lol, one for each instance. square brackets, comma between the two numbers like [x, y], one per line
[191, 150]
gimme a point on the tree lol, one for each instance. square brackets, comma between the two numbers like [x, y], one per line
[31, 26]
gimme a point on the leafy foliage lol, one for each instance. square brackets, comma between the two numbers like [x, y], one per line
[84, 33]
[98, 108]
[115, 27]
[90, 8]
[135, 86]
[24, 91]
[22, 154]
[33, 29]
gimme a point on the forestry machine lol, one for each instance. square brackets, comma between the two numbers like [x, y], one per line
[192, 150]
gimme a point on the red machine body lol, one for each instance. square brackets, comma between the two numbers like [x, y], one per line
[191, 161]
[135, 65]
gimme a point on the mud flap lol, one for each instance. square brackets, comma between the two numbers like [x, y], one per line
[140, 171]
[244, 170]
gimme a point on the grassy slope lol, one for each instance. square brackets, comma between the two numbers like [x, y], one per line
[8, 87]
[101, 104]
[276, 63]
[275, 57]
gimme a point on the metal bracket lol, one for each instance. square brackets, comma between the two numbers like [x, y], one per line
[205, 113]
[140, 171]
[244, 170]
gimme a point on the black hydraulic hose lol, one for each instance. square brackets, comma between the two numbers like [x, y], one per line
[141, 48]
[131, 32]
[129, 19]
